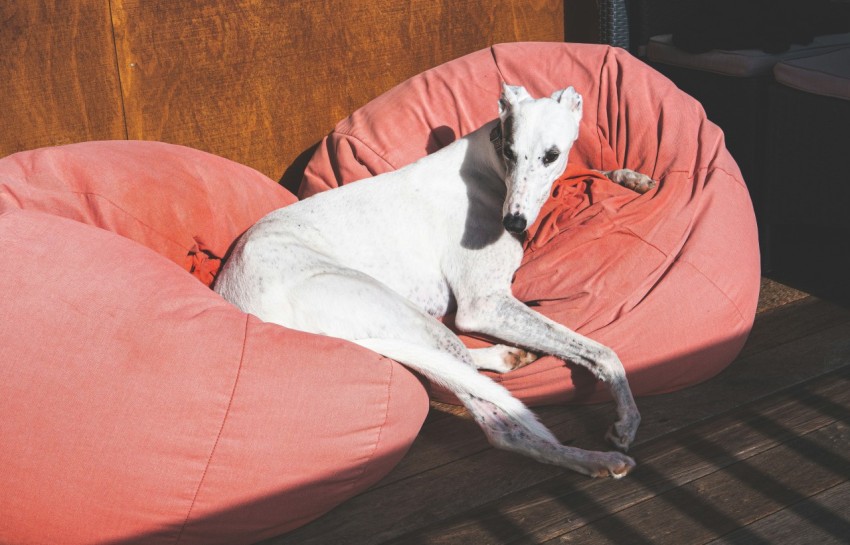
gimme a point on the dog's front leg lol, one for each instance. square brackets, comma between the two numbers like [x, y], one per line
[504, 317]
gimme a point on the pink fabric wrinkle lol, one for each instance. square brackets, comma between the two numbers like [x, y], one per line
[202, 263]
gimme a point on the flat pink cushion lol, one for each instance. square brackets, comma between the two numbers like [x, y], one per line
[137, 405]
[669, 279]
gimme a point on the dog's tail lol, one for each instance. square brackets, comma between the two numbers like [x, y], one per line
[470, 387]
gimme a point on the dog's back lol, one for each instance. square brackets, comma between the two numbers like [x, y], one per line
[405, 221]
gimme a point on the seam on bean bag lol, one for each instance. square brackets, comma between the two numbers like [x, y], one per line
[496, 65]
[685, 260]
[368, 459]
[719, 290]
[340, 132]
[690, 174]
[631, 231]
[136, 219]
[740, 181]
[220, 430]
[371, 149]
[115, 206]
[599, 104]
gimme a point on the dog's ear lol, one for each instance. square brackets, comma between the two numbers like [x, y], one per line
[570, 98]
[511, 96]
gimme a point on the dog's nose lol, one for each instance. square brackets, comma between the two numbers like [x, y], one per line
[514, 223]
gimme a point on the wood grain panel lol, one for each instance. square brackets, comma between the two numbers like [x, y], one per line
[260, 82]
[58, 78]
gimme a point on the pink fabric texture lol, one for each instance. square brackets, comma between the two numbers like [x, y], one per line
[668, 279]
[182, 203]
[137, 405]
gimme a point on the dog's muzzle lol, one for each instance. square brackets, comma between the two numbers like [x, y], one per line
[514, 223]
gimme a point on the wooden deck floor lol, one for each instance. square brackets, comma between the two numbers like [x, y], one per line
[758, 455]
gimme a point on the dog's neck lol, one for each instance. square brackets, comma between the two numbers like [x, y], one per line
[475, 160]
[496, 138]
[487, 143]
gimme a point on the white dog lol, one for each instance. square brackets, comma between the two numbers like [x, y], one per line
[376, 262]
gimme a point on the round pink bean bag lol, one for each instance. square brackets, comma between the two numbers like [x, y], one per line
[137, 406]
[668, 279]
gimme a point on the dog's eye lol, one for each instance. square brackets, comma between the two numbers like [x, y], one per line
[551, 156]
[510, 155]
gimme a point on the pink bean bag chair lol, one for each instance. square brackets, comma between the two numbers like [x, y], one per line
[668, 279]
[136, 405]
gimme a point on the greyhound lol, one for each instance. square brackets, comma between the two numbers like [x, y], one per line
[377, 262]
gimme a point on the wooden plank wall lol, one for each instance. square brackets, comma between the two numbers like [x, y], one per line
[58, 78]
[259, 82]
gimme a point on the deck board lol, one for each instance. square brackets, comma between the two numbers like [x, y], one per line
[744, 457]
[570, 502]
[734, 495]
[821, 519]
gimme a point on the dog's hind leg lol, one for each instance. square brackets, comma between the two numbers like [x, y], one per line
[505, 420]
[631, 179]
[354, 306]
[351, 305]
[501, 358]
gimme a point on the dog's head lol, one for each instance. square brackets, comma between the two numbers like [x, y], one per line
[537, 135]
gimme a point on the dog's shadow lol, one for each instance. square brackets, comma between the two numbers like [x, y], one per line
[483, 218]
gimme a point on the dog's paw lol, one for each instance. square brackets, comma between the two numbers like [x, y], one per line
[630, 179]
[610, 464]
[517, 357]
[501, 358]
[622, 433]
